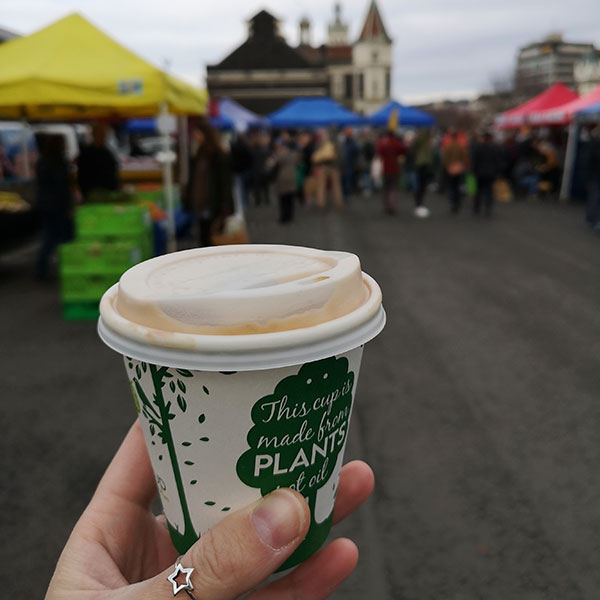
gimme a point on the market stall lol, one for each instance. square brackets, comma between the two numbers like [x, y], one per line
[407, 116]
[565, 113]
[556, 95]
[314, 112]
[241, 118]
[71, 71]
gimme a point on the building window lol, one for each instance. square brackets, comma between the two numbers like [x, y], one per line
[348, 85]
[361, 85]
[374, 56]
[388, 84]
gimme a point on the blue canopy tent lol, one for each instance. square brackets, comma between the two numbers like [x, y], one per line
[240, 117]
[407, 116]
[222, 122]
[590, 113]
[149, 125]
[314, 112]
[141, 126]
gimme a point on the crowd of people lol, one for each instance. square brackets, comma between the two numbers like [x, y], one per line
[320, 169]
[328, 167]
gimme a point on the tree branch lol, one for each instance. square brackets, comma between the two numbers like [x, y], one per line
[144, 399]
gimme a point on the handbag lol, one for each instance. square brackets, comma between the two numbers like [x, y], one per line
[326, 153]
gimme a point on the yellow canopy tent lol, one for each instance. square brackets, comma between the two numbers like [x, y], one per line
[72, 71]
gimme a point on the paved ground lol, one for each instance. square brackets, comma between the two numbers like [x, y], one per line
[477, 407]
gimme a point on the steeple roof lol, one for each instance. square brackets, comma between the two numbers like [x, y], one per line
[374, 29]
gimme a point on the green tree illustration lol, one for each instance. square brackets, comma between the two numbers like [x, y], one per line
[288, 421]
[298, 432]
[159, 416]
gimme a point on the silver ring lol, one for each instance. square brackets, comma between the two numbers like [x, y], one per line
[187, 587]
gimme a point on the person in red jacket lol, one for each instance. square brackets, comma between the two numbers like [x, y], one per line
[391, 151]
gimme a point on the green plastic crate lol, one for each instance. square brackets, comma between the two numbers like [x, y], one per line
[100, 256]
[158, 197]
[81, 311]
[100, 220]
[76, 286]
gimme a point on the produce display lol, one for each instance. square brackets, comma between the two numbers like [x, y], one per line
[13, 203]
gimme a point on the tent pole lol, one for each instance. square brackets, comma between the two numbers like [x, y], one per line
[24, 148]
[184, 152]
[168, 181]
[565, 188]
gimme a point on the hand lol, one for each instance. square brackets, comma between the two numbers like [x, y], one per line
[120, 551]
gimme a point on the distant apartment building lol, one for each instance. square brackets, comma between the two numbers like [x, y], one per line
[587, 72]
[551, 60]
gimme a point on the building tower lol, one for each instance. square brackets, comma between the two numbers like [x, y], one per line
[338, 60]
[305, 32]
[337, 32]
[372, 62]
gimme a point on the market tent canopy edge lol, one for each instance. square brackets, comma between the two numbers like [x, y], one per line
[407, 115]
[71, 70]
[314, 112]
[556, 95]
[591, 113]
[564, 114]
[238, 115]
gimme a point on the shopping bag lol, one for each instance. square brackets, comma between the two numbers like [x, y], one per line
[471, 185]
[502, 191]
[231, 230]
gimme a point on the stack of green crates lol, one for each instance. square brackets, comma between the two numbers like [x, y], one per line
[110, 239]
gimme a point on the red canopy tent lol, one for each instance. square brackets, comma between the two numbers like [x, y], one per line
[556, 95]
[564, 114]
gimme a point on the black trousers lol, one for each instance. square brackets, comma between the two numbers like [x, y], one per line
[56, 229]
[484, 196]
[454, 182]
[286, 207]
[203, 230]
[423, 178]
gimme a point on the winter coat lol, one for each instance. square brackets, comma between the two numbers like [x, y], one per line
[285, 161]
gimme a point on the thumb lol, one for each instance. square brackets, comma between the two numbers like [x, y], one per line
[241, 551]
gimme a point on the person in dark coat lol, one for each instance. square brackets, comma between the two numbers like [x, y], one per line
[241, 165]
[209, 195]
[260, 175]
[349, 162]
[486, 164]
[97, 168]
[54, 200]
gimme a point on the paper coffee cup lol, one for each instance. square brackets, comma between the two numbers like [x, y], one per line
[227, 418]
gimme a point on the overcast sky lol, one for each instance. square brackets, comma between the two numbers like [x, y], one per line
[441, 47]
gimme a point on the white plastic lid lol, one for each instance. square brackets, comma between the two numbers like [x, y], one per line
[249, 305]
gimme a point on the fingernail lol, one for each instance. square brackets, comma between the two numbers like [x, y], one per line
[278, 519]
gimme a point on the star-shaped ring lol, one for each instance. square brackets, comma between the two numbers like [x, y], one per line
[187, 587]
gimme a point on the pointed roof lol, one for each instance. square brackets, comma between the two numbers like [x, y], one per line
[264, 49]
[374, 29]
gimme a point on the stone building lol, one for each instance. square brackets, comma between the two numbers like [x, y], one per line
[265, 72]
